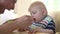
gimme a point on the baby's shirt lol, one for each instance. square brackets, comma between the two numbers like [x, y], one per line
[46, 23]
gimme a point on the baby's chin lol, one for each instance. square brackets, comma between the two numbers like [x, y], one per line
[36, 21]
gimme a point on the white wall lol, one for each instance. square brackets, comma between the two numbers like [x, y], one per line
[22, 6]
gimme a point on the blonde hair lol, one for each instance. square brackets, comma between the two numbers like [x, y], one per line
[39, 4]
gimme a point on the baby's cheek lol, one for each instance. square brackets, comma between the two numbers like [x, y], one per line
[37, 19]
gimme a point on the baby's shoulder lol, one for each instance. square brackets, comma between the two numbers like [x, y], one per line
[48, 19]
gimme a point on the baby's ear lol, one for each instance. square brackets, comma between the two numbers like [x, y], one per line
[44, 12]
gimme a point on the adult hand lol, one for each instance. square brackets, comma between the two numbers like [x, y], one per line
[23, 22]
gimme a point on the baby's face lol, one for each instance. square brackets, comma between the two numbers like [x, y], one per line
[37, 13]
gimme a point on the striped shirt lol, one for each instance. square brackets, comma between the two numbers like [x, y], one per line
[46, 23]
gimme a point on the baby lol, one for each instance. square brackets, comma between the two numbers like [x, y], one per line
[42, 22]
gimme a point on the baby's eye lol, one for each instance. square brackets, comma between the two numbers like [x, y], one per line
[34, 12]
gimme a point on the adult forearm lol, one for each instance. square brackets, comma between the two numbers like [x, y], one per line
[7, 28]
[22, 22]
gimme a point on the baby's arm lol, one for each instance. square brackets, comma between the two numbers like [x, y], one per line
[40, 30]
[50, 29]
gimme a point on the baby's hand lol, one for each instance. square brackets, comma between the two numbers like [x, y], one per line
[36, 30]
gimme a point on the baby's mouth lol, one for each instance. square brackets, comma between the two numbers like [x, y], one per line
[34, 19]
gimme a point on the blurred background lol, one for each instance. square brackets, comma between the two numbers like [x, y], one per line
[21, 8]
